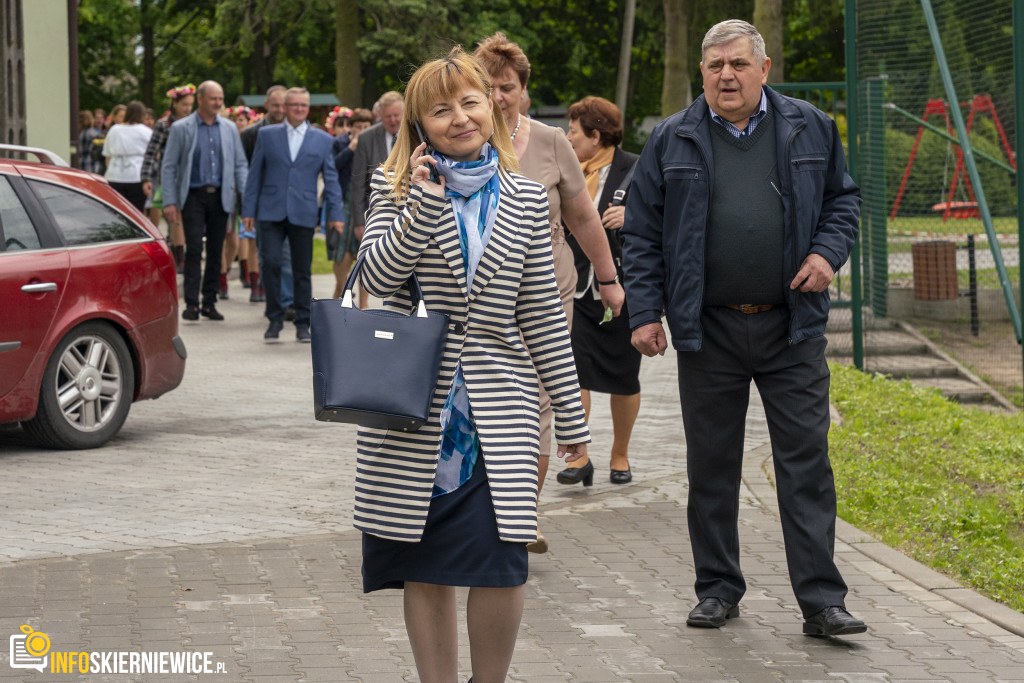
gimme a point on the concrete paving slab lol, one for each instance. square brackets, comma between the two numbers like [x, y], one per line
[220, 521]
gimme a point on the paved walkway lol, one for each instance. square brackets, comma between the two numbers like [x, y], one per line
[220, 521]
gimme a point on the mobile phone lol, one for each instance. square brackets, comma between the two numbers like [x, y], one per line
[423, 138]
[428, 151]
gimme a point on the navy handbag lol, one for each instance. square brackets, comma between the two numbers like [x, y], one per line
[375, 368]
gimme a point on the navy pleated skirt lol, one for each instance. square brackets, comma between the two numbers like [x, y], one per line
[460, 546]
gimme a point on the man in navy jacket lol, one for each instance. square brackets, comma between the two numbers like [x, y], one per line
[282, 193]
[740, 213]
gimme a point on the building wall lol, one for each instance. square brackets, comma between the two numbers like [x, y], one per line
[46, 75]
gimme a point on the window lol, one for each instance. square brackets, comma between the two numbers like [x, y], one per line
[82, 219]
[16, 229]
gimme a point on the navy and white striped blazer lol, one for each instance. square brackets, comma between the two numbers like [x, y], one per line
[512, 329]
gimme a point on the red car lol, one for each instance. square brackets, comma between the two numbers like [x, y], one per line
[88, 304]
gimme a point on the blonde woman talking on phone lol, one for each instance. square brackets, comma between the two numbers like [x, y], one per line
[455, 503]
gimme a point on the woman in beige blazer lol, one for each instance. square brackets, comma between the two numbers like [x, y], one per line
[454, 504]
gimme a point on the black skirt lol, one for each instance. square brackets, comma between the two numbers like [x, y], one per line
[460, 546]
[606, 361]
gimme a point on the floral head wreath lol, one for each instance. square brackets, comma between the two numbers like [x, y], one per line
[343, 112]
[240, 110]
[181, 91]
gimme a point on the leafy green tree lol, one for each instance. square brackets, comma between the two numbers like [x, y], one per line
[106, 57]
[360, 48]
[813, 41]
[136, 49]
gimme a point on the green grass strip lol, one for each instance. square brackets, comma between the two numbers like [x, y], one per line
[942, 482]
[320, 265]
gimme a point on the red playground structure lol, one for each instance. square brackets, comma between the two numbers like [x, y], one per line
[950, 208]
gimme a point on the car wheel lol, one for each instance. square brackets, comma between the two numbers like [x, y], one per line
[87, 390]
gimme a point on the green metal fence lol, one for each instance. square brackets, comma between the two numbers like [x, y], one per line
[940, 245]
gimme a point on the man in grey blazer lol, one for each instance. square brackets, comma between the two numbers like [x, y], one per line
[202, 165]
[374, 147]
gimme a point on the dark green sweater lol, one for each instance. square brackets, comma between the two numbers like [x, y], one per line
[745, 222]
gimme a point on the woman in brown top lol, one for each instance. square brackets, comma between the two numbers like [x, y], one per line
[546, 157]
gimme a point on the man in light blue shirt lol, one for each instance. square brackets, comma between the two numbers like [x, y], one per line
[281, 192]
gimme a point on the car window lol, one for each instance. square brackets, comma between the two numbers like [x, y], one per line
[15, 227]
[82, 219]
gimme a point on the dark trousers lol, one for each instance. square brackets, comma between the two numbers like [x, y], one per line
[273, 235]
[714, 390]
[203, 212]
[133, 193]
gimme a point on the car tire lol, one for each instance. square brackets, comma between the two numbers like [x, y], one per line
[87, 389]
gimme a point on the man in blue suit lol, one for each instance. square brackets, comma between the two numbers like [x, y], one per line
[203, 164]
[281, 193]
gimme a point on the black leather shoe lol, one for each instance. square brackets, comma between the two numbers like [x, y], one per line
[621, 476]
[289, 313]
[190, 313]
[273, 333]
[211, 312]
[574, 475]
[302, 334]
[712, 613]
[833, 621]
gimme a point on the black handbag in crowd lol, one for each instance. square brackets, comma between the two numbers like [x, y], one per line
[375, 368]
[332, 239]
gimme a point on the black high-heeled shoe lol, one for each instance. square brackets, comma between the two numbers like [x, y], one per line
[574, 475]
[621, 476]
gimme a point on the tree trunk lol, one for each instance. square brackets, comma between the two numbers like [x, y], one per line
[147, 83]
[675, 88]
[768, 20]
[625, 53]
[348, 75]
[264, 56]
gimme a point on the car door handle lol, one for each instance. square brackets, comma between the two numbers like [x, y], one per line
[37, 287]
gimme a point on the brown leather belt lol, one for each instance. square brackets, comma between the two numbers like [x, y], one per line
[751, 308]
[208, 189]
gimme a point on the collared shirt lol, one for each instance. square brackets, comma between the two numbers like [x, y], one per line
[295, 136]
[389, 140]
[207, 164]
[752, 122]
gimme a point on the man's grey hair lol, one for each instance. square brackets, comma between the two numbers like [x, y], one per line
[389, 98]
[295, 91]
[272, 90]
[728, 31]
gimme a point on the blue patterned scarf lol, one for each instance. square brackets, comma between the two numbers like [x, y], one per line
[473, 188]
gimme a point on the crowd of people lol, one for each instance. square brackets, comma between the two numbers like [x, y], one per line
[127, 147]
[557, 257]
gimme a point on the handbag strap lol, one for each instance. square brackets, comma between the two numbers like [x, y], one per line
[413, 282]
[619, 196]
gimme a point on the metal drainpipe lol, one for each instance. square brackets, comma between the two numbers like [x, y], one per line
[1018, 98]
[73, 79]
[853, 160]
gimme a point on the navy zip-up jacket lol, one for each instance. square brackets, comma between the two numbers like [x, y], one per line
[665, 230]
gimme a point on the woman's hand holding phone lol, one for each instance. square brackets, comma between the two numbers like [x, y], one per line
[422, 171]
